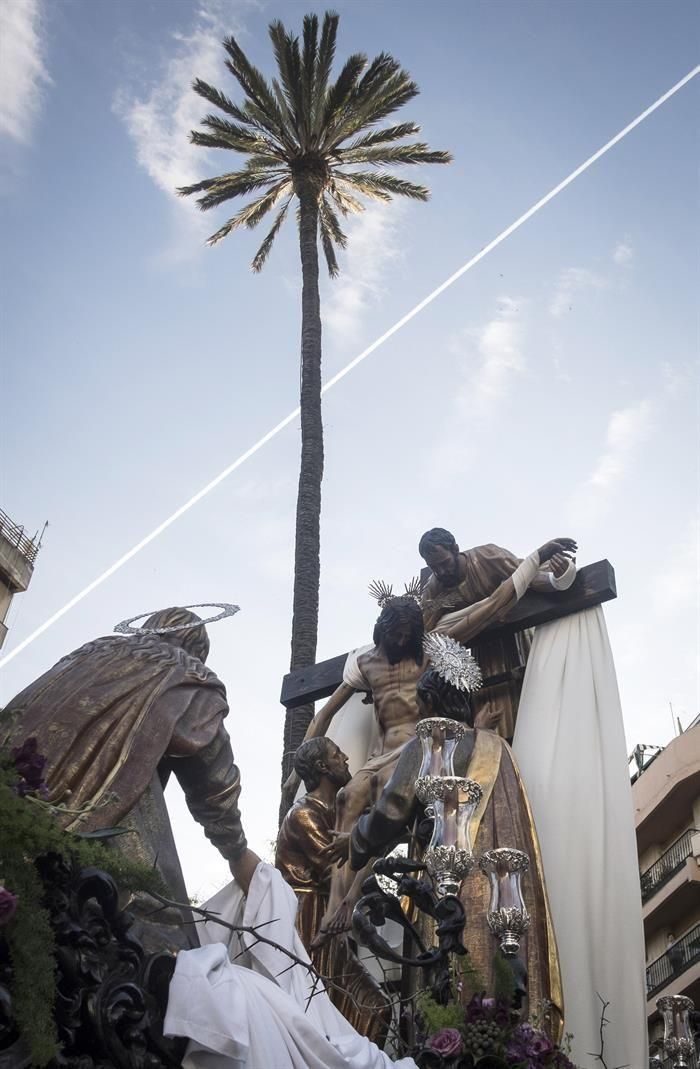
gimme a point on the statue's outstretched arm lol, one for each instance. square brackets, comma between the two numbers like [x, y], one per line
[466, 624]
[321, 722]
[318, 726]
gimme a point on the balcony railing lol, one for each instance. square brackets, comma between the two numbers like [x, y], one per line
[676, 959]
[16, 537]
[670, 861]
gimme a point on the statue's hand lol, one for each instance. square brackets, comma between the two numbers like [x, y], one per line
[559, 564]
[243, 868]
[565, 547]
[336, 852]
[488, 718]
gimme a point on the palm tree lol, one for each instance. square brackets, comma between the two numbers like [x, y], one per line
[316, 140]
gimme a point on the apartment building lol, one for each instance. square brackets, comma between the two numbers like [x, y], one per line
[17, 555]
[666, 793]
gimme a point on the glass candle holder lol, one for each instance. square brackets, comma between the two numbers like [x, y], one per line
[678, 1037]
[451, 801]
[439, 737]
[507, 916]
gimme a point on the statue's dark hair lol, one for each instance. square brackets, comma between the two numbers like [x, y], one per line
[436, 536]
[443, 698]
[194, 640]
[398, 611]
[308, 760]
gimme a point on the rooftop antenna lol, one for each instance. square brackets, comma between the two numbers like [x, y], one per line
[41, 536]
[677, 730]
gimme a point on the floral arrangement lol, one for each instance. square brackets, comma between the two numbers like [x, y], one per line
[30, 827]
[487, 1033]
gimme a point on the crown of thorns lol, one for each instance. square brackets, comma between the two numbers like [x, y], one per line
[383, 593]
[452, 661]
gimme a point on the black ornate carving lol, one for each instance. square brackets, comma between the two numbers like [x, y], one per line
[376, 907]
[111, 994]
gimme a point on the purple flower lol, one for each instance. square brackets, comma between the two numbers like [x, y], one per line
[481, 1008]
[447, 1041]
[30, 766]
[8, 905]
[529, 1045]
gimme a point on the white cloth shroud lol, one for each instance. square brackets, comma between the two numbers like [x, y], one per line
[570, 745]
[258, 1014]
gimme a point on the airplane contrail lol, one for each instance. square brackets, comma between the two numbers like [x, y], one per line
[400, 323]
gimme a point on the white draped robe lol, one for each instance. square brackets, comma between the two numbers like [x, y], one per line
[570, 745]
[256, 1012]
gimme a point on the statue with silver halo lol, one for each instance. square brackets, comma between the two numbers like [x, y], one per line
[486, 774]
[116, 717]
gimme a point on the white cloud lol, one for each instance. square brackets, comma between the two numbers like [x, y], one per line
[490, 358]
[489, 361]
[372, 247]
[159, 119]
[573, 281]
[623, 253]
[23, 74]
[627, 429]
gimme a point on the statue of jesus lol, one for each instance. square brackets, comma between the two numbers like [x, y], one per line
[390, 670]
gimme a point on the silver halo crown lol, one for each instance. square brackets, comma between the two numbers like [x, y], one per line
[452, 661]
[126, 628]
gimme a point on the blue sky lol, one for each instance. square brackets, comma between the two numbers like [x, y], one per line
[552, 390]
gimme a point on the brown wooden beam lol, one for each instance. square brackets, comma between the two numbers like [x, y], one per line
[594, 584]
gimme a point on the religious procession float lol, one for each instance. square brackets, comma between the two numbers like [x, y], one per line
[455, 882]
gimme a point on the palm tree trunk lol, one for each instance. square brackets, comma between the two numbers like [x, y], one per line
[307, 564]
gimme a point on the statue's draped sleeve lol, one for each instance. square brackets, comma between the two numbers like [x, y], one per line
[112, 712]
[211, 783]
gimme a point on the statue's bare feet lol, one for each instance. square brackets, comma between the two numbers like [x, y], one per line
[337, 924]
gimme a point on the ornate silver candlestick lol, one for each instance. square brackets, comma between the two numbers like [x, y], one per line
[450, 800]
[678, 1037]
[507, 916]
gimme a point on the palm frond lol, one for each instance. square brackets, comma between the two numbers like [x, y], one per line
[259, 208]
[328, 250]
[225, 187]
[324, 64]
[264, 250]
[219, 100]
[368, 109]
[382, 186]
[238, 138]
[283, 103]
[256, 88]
[330, 220]
[379, 72]
[288, 137]
[360, 183]
[344, 201]
[308, 70]
[380, 137]
[418, 152]
[286, 49]
[342, 89]
[251, 214]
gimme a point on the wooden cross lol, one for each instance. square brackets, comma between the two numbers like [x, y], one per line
[593, 585]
